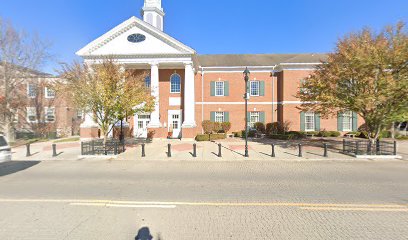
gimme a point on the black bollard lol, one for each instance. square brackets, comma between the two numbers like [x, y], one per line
[395, 148]
[194, 150]
[143, 150]
[54, 150]
[300, 150]
[357, 148]
[28, 154]
[169, 150]
[325, 151]
[219, 150]
[344, 145]
[273, 150]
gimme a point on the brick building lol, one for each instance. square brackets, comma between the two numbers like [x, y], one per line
[39, 111]
[190, 88]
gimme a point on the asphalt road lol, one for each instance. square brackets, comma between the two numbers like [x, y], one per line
[204, 200]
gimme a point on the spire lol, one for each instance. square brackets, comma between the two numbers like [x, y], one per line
[153, 14]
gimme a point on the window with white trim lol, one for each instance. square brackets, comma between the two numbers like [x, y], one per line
[49, 93]
[32, 90]
[254, 117]
[49, 114]
[148, 81]
[302, 87]
[175, 83]
[347, 121]
[219, 117]
[309, 121]
[31, 114]
[219, 88]
[254, 88]
[80, 114]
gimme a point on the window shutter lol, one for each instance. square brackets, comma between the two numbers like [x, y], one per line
[262, 88]
[317, 121]
[212, 116]
[340, 121]
[212, 88]
[302, 121]
[226, 88]
[226, 116]
[355, 122]
[262, 117]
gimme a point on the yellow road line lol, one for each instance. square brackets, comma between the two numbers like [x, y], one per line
[122, 205]
[355, 209]
[222, 204]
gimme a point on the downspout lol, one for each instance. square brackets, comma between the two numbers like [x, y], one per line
[202, 97]
[273, 93]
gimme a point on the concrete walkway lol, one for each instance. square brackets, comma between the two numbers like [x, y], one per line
[232, 150]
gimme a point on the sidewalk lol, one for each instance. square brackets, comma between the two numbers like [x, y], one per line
[232, 150]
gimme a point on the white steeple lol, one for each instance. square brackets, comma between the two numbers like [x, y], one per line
[153, 14]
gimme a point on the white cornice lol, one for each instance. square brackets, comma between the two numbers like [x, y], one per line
[125, 26]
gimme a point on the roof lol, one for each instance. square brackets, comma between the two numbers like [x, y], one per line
[29, 70]
[234, 60]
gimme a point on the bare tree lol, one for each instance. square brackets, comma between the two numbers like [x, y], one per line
[21, 54]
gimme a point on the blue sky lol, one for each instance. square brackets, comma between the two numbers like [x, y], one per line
[208, 26]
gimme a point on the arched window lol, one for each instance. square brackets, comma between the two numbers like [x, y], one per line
[148, 81]
[158, 22]
[149, 18]
[175, 83]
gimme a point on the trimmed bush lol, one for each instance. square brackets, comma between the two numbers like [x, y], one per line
[297, 134]
[334, 134]
[268, 128]
[208, 126]
[226, 126]
[217, 127]
[237, 134]
[282, 136]
[401, 137]
[385, 134]
[328, 134]
[209, 137]
[260, 127]
[251, 133]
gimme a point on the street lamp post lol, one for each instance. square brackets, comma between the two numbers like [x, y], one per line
[246, 97]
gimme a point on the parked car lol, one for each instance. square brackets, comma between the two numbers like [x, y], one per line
[5, 150]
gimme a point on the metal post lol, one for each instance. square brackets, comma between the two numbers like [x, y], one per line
[169, 150]
[357, 146]
[395, 148]
[93, 147]
[143, 150]
[369, 148]
[344, 145]
[219, 150]
[325, 151]
[54, 150]
[273, 150]
[115, 149]
[28, 154]
[194, 150]
[300, 150]
[82, 148]
[246, 78]
[377, 147]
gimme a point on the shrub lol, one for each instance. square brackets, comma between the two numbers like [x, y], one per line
[208, 126]
[297, 135]
[210, 137]
[328, 134]
[312, 133]
[260, 127]
[385, 134]
[202, 137]
[150, 134]
[268, 128]
[237, 134]
[334, 134]
[251, 133]
[282, 136]
[226, 126]
[217, 127]
[401, 137]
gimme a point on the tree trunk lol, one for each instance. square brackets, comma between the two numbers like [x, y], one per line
[393, 130]
[9, 132]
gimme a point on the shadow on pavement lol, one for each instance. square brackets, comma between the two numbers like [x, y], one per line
[144, 234]
[7, 168]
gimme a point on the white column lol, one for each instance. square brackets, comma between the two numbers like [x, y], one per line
[189, 97]
[155, 115]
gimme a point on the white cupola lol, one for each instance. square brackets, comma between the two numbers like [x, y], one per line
[153, 14]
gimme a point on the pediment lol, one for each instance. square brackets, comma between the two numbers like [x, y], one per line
[115, 42]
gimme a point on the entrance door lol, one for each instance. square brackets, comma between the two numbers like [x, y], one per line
[141, 122]
[175, 123]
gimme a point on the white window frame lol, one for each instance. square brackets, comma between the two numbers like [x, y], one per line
[348, 115]
[254, 117]
[46, 114]
[31, 111]
[219, 85]
[80, 114]
[310, 126]
[34, 95]
[257, 89]
[171, 85]
[219, 117]
[47, 91]
[148, 81]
